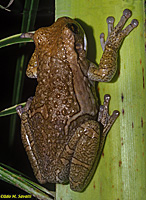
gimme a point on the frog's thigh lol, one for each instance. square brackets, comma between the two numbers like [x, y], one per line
[29, 146]
[85, 156]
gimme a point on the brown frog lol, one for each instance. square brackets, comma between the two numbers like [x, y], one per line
[63, 128]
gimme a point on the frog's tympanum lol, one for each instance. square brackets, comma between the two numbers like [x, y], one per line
[63, 128]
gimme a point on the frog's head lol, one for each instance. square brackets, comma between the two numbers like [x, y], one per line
[72, 28]
[65, 39]
[73, 38]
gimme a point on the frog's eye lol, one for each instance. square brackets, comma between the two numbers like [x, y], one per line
[73, 27]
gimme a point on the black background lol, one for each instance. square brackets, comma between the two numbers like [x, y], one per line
[15, 156]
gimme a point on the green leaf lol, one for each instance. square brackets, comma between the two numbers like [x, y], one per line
[25, 184]
[121, 173]
[11, 110]
[14, 39]
[4, 8]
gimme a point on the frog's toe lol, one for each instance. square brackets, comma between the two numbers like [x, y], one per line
[102, 41]
[110, 22]
[29, 99]
[104, 118]
[130, 27]
[134, 23]
[28, 103]
[127, 13]
[103, 111]
[27, 35]
[19, 110]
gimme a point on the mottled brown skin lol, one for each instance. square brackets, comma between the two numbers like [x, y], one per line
[63, 129]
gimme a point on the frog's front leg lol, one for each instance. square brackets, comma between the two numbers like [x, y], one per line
[31, 71]
[108, 63]
[27, 139]
[89, 147]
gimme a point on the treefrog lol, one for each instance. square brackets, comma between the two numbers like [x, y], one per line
[63, 128]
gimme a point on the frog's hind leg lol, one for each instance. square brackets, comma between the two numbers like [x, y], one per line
[89, 147]
[85, 155]
[27, 139]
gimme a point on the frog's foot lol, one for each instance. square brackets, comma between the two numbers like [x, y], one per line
[104, 118]
[116, 35]
[20, 109]
[108, 63]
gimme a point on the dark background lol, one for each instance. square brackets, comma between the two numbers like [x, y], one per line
[15, 156]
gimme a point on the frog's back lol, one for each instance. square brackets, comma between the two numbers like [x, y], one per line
[55, 100]
[55, 113]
